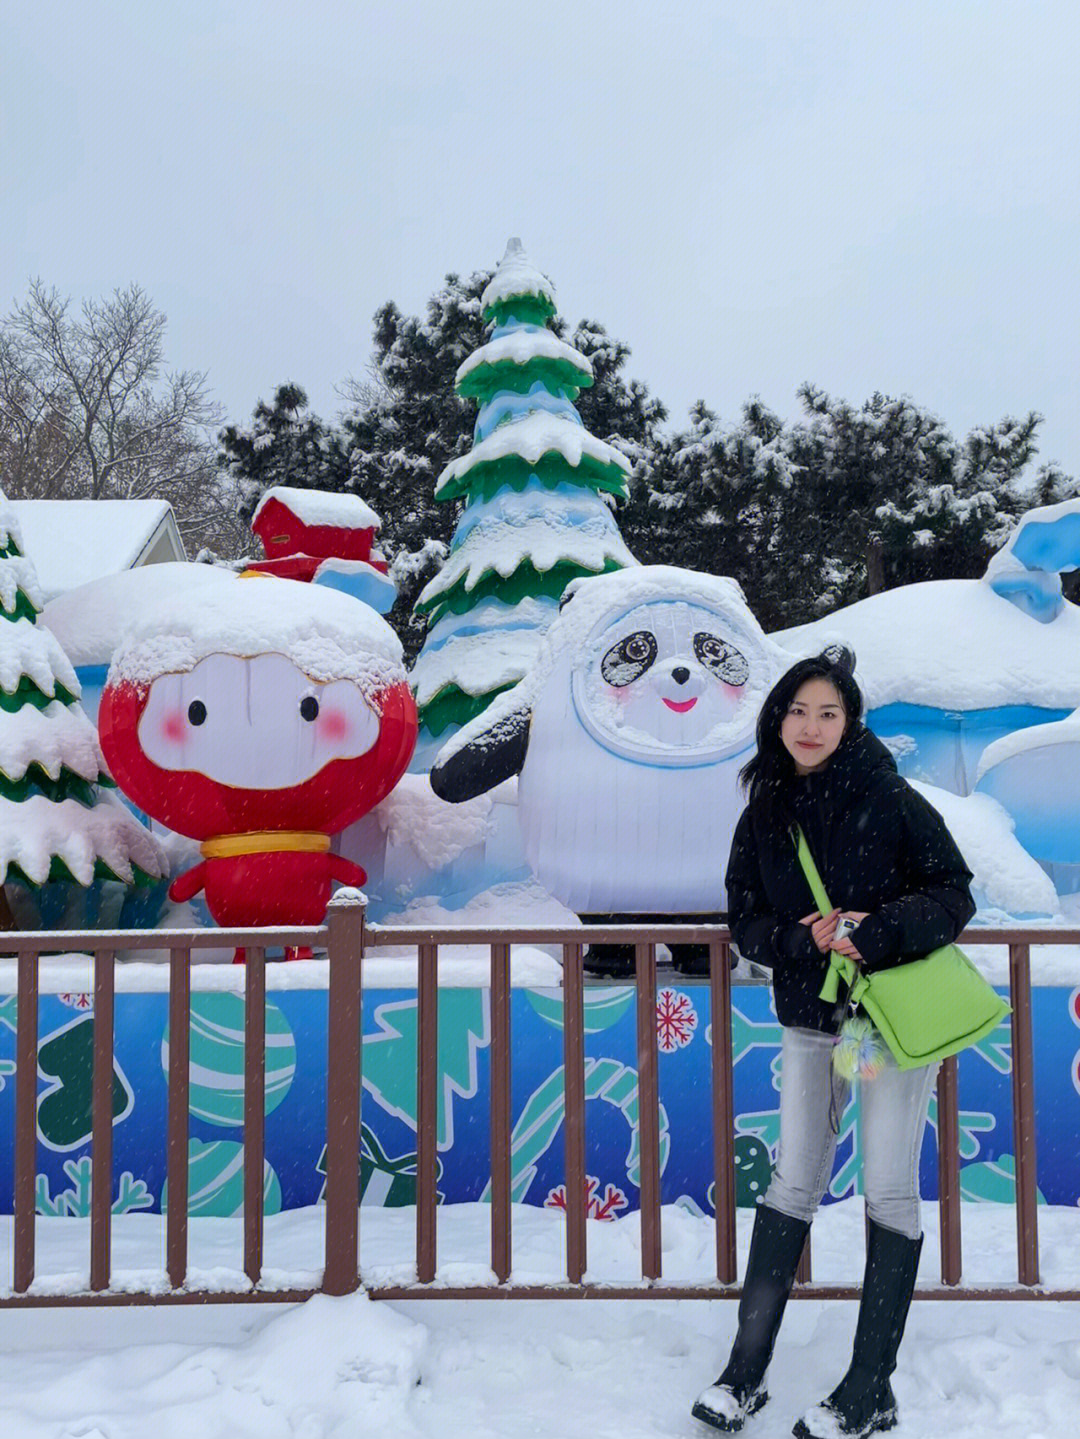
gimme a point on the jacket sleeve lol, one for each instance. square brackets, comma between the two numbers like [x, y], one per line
[938, 903]
[758, 931]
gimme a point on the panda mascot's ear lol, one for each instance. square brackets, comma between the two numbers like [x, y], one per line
[485, 760]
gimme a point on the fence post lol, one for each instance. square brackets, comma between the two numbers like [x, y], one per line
[1027, 1193]
[345, 948]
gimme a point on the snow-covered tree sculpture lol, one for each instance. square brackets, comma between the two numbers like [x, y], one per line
[57, 827]
[538, 489]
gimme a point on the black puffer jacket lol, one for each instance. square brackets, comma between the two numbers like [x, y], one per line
[879, 847]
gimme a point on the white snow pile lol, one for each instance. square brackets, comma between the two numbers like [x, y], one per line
[323, 632]
[31, 651]
[531, 437]
[522, 344]
[322, 507]
[35, 829]
[953, 644]
[91, 620]
[536, 525]
[355, 1368]
[516, 275]
[1006, 878]
[413, 814]
[52, 737]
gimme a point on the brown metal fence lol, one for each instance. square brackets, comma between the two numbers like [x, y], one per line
[346, 940]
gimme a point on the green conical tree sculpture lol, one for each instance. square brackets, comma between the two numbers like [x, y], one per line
[55, 824]
[539, 490]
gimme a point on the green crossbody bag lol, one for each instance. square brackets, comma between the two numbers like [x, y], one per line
[925, 1009]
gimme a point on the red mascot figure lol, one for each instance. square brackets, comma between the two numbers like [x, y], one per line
[259, 716]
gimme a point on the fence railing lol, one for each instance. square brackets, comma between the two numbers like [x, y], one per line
[347, 939]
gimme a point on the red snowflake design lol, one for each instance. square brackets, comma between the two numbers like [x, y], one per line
[77, 1001]
[676, 1020]
[597, 1205]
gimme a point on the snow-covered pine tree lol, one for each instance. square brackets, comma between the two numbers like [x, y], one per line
[56, 826]
[539, 490]
[285, 445]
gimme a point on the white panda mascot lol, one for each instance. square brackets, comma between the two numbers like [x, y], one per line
[628, 737]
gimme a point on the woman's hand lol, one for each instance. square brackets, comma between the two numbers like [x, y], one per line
[845, 946]
[821, 928]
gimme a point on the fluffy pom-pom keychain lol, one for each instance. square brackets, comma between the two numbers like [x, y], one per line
[860, 1049]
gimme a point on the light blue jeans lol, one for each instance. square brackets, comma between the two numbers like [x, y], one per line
[893, 1116]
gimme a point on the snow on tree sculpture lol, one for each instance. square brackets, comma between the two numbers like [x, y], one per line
[536, 484]
[57, 826]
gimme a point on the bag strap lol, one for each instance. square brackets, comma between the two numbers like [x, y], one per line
[840, 967]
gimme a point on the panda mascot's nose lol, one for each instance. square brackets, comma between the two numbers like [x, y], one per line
[680, 674]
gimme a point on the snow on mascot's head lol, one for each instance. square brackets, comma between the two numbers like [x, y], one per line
[260, 716]
[628, 737]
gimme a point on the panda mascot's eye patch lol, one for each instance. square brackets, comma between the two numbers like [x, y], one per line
[629, 659]
[721, 658]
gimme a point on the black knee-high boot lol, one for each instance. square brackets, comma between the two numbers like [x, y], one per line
[863, 1402]
[775, 1248]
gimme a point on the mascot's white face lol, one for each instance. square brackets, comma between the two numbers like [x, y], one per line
[670, 683]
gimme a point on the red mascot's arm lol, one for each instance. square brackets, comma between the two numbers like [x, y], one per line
[188, 884]
[344, 871]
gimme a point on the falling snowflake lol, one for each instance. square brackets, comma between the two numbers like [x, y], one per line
[597, 1205]
[676, 1020]
[77, 1001]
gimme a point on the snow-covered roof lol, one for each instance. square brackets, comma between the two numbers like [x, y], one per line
[321, 507]
[533, 435]
[541, 526]
[74, 541]
[1032, 737]
[90, 621]
[520, 345]
[326, 634]
[951, 644]
[516, 275]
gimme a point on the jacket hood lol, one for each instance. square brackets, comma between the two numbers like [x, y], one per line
[859, 760]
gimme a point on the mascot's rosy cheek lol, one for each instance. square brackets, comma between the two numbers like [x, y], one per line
[266, 852]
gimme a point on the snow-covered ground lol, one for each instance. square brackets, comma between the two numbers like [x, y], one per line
[432, 1369]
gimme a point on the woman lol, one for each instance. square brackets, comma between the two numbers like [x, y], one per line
[891, 866]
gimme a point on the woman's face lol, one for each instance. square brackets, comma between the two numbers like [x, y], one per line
[814, 725]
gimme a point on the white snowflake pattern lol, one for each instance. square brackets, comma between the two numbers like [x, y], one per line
[77, 1001]
[676, 1020]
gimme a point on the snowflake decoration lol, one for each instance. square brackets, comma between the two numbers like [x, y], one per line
[77, 1001]
[597, 1205]
[676, 1020]
[132, 1195]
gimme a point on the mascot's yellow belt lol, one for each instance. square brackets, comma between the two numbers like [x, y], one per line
[227, 846]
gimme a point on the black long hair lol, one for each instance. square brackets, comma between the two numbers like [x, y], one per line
[769, 777]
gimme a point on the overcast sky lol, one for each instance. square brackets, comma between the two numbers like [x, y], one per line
[871, 196]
